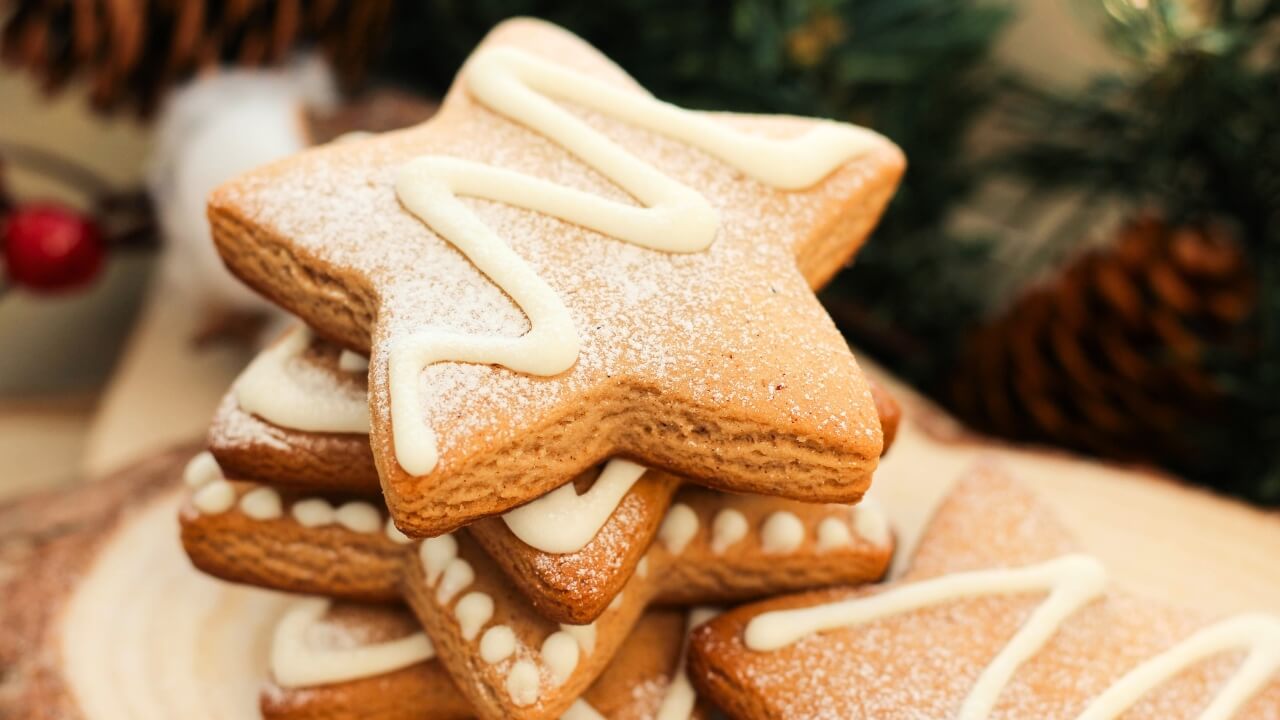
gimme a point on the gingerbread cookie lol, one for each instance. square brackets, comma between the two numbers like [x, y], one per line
[999, 616]
[528, 319]
[508, 659]
[346, 661]
[569, 551]
[296, 417]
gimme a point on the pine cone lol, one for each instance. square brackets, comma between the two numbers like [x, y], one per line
[1114, 356]
[132, 51]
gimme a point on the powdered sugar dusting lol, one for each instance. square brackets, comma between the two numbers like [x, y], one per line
[346, 626]
[235, 429]
[316, 371]
[733, 326]
[923, 664]
[608, 550]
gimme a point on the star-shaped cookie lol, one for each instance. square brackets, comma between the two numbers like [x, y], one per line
[508, 659]
[1000, 616]
[346, 661]
[559, 269]
[294, 418]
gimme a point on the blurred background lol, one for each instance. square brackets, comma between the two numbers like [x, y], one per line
[1085, 252]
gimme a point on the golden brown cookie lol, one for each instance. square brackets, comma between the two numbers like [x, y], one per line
[306, 382]
[507, 658]
[265, 429]
[297, 416]
[498, 372]
[344, 661]
[999, 616]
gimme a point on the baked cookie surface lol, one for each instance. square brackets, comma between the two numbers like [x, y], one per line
[291, 420]
[343, 662]
[999, 616]
[507, 657]
[710, 359]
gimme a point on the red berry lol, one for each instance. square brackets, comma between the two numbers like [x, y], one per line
[49, 248]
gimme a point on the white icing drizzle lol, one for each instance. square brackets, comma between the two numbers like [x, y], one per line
[522, 683]
[1072, 581]
[312, 512]
[678, 528]
[201, 470]
[394, 534]
[562, 521]
[727, 530]
[214, 498]
[262, 503]
[581, 710]
[473, 611]
[456, 577]
[782, 532]
[358, 516]
[436, 554]
[560, 653]
[671, 217]
[271, 390]
[870, 522]
[1258, 633]
[497, 644]
[295, 663]
[584, 634]
[833, 534]
[678, 702]
[353, 362]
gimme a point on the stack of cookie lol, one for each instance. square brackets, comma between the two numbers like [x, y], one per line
[561, 389]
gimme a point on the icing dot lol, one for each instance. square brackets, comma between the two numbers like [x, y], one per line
[312, 512]
[870, 522]
[359, 517]
[729, 527]
[436, 553]
[214, 498]
[262, 504]
[560, 653]
[522, 683]
[833, 533]
[782, 532]
[497, 644]
[473, 611]
[678, 528]
[201, 470]
[584, 634]
[395, 535]
[457, 576]
[642, 567]
[352, 362]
